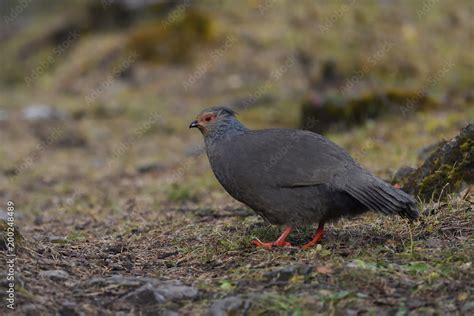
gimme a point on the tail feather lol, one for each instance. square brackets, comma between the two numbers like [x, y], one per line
[380, 196]
[365, 199]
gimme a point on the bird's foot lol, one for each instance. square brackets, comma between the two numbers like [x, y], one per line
[280, 242]
[269, 245]
[308, 245]
[317, 238]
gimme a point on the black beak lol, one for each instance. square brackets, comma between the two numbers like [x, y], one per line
[194, 124]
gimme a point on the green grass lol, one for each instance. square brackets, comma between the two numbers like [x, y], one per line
[179, 223]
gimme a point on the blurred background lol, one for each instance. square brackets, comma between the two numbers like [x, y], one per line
[96, 98]
[94, 91]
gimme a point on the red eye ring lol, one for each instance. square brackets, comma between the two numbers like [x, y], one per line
[208, 119]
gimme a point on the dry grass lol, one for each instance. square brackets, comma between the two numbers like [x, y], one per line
[177, 223]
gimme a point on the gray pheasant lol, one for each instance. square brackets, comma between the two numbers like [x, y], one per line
[293, 177]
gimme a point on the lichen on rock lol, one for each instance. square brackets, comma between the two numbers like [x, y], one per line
[446, 170]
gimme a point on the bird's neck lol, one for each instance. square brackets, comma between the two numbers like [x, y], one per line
[224, 130]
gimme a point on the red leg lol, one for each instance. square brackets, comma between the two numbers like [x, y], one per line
[280, 242]
[317, 238]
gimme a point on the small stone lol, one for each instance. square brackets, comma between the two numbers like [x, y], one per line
[38, 112]
[283, 275]
[154, 292]
[121, 280]
[32, 309]
[19, 279]
[3, 116]
[233, 305]
[55, 275]
[57, 239]
[468, 308]
[4, 215]
[145, 295]
[68, 309]
[177, 291]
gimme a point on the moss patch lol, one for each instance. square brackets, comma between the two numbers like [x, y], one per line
[172, 41]
[446, 169]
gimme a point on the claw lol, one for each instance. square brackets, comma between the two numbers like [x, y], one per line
[269, 245]
[280, 242]
[317, 238]
[258, 243]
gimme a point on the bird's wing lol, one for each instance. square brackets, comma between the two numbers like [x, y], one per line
[290, 158]
[295, 158]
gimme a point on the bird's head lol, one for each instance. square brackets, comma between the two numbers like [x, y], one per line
[214, 119]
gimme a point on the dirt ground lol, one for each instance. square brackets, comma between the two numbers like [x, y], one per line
[118, 213]
[91, 240]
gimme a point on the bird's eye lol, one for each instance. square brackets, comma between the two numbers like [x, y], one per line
[208, 119]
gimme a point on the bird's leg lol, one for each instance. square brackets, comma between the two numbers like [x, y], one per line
[317, 238]
[280, 242]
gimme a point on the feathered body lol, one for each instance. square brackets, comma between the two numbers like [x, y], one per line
[295, 177]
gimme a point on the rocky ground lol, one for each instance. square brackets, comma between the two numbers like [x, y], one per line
[117, 211]
[202, 263]
[167, 238]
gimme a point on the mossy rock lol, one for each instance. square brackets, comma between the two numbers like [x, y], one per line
[3, 237]
[172, 41]
[114, 14]
[446, 170]
[339, 113]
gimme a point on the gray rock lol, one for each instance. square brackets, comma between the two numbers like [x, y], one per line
[233, 305]
[283, 275]
[177, 291]
[4, 215]
[119, 280]
[452, 160]
[147, 290]
[145, 295]
[57, 239]
[156, 293]
[32, 309]
[38, 112]
[55, 275]
[3, 116]
[68, 309]
[468, 308]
